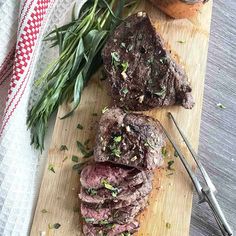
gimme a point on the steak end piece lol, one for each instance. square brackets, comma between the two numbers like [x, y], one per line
[110, 229]
[129, 139]
[141, 73]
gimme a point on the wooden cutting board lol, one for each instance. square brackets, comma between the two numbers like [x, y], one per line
[170, 203]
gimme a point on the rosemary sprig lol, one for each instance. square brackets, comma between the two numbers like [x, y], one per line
[80, 43]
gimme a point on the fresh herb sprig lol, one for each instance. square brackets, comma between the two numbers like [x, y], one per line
[80, 43]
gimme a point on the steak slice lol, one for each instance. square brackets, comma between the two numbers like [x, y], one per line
[129, 139]
[141, 73]
[110, 230]
[92, 175]
[125, 196]
[123, 215]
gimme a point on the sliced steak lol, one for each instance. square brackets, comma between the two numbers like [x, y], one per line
[123, 215]
[110, 230]
[92, 175]
[125, 196]
[129, 139]
[141, 73]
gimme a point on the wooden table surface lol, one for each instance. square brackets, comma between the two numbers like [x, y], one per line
[217, 147]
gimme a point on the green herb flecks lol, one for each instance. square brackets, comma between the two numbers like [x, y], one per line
[115, 59]
[63, 148]
[103, 222]
[94, 114]
[51, 168]
[161, 93]
[89, 220]
[107, 185]
[149, 144]
[83, 150]
[79, 126]
[168, 225]
[79, 167]
[176, 154]
[80, 43]
[170, 164]
[91, 191]
[164, 152]
[124, 66]
[117, 139]
[163, 60]
[122, 45]
[220, 105]
[44, 211]
[105, 109]
[126, 234]
[75, 158]
[54, 226]
[180, 41]
[125, 90]
[65, 159]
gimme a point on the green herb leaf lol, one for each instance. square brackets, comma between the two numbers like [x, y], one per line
[122, 45]
[54, 226]
[79, 167]
[81, 148]
[168, 225]
[103, 222]
[91, 191]
[63, 148]
[94, 114]
[124, 66]
[161, 93]
[148, 144]
[88, 154]
[89, 220]
[219, 105]
[176, 154]
[51, 168]
[65, 159]
[86, 142]
[44, 211]
[125, 90]
[170, 163]
[79, 126]
[117, 139]
[75, 159]
[164, 152]
[115, 59]
[107, 185]
[104, 110]
[180, 41]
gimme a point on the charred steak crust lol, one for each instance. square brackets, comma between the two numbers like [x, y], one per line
[129, 139]
[141, 73]
[110, 230]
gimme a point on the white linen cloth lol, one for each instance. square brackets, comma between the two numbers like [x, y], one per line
[23, 57]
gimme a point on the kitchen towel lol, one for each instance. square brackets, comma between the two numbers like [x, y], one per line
[23, 57]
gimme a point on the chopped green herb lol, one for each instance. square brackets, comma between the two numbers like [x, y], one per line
[115, 58]
[44, 211]
[89, 220]
[117, 139]
[54, 226]
[116, 152]
[170, 174]
[220, 105]
[103, 222]
[168, 225]
[63, 148]
[51, 168]
[79, 126]
[150, 60]
[125, 234]
[88, 154]
[176, 154]
[122, 45]
[180, 41]
[104, 110]
[81, 148]
[164, 151]
[79, 167]
[124, 66]
[94, 114]
[161, 93]
[75, 158]
[65, 159]
[86, 142]
[130, 47]
[170, 163]
[148, 144]
[107, 185]
[91, 191]
[163, 60]
[125, 90]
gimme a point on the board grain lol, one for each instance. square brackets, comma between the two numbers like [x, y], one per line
[170, 202]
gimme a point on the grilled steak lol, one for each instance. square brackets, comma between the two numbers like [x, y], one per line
[123, 215]
[129, 139]
[124, 197]
[140, 71]
[110, 229]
